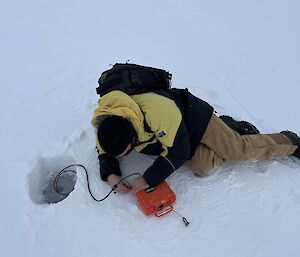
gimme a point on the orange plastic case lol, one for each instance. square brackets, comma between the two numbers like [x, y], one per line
[156, 200]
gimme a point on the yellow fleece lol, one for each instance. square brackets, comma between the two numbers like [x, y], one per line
[161, 114]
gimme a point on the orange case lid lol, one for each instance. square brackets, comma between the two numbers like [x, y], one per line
[155, 199]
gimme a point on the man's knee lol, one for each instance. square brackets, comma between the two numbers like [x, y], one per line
[205, 161]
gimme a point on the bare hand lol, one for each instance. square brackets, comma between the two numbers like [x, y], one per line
[139, 184]
[123, 187]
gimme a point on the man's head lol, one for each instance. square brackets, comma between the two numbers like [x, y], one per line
[116, 135]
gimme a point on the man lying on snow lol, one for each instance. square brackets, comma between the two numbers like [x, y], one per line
[177, 127]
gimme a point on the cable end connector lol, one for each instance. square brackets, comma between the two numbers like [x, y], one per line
[186, 223]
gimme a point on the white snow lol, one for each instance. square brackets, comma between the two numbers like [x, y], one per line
[241, 56]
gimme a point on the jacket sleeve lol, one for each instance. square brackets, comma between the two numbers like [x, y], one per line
[108, 165]
[176, 156]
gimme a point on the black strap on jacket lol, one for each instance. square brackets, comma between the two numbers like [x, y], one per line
[148, 130]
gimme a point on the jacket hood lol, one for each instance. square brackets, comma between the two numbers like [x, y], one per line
[120, 104]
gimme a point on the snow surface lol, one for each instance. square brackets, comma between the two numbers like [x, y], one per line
[241, 56]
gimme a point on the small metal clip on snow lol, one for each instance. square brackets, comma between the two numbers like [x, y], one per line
[185, 221]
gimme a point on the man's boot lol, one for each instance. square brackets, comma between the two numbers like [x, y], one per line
[293, 137]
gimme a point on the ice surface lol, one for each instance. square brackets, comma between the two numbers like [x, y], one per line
[242, 57]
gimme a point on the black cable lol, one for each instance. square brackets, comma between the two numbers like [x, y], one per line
[66, 169]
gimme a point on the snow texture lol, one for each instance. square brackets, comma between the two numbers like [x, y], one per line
[240, 56]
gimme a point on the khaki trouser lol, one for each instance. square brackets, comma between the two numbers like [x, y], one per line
[220, 143]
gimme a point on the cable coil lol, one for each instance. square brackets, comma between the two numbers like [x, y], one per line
[66, 169]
